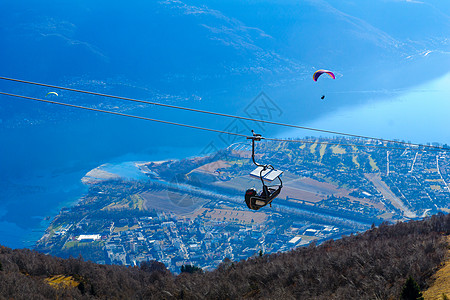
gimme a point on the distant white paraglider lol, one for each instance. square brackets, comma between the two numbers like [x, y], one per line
[52, 93]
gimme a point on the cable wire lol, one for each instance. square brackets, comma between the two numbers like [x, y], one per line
[124, 115]
[220, 114]
[209, 129]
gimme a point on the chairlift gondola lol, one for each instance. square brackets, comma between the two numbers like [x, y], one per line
[253, 199]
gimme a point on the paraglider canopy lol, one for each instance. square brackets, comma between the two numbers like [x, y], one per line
[52, 93]
[320, 72]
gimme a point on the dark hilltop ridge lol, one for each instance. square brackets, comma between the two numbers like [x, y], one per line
[371, 265]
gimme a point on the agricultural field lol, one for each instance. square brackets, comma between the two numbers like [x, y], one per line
[231, 215]
[171, 201]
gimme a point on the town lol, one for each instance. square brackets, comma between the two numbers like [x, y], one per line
[191, 212]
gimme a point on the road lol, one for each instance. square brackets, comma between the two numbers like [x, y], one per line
[389, 195]
[439, 172]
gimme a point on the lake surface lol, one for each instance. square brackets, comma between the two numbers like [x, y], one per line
[419, 115]
[41, 166]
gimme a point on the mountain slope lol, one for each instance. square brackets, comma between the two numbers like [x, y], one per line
[200, 43]
[371, 265]
[441, 281]
[215, 50]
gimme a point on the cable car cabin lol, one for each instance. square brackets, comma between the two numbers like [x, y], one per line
[266, 173]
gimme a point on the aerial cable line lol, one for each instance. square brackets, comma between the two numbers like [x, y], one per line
[208, 129]
[220, 114]
[123, 115]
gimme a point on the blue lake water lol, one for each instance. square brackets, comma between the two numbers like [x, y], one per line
[25, 215]
[419, 114]
[41, 166]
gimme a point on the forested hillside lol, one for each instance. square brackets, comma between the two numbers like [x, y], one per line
[371, 265]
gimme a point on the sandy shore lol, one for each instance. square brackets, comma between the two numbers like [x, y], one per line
[100, 174]
[97, 174]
